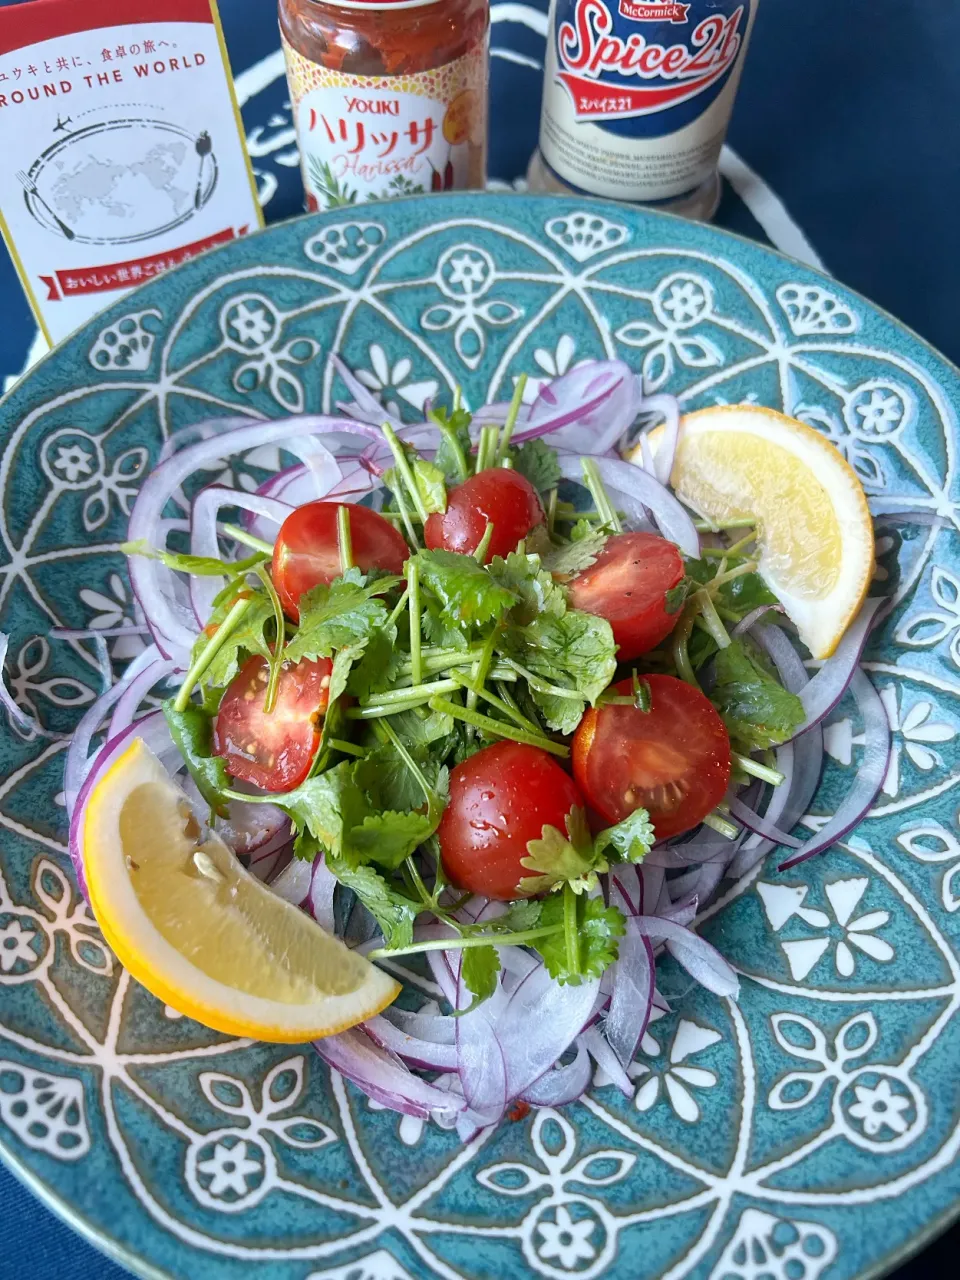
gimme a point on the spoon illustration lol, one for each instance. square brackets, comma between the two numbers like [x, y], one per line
[203, 147]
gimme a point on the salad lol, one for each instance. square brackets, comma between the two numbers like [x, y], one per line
[499, 709]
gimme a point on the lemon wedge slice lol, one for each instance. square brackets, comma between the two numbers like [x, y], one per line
[200, 932]
[814, 532]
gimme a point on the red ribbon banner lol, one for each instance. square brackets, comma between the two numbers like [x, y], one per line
[127, 275]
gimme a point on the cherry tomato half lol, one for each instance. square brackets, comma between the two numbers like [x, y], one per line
[306, 551]
[499, 496]
[273, 751]
[673, 760]
[627, 584]
[499, 799]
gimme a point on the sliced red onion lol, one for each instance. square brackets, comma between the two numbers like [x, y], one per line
[750, 620]
[667, 450]
[561, 1085]
[79, 758]
[438, 1028]
[540, 1022]
[699, 884]
[204, 535]
[480, 1061]
[443, 976]
[632, 995]
[365, 404]
[157, 588]
[801, 763]
[789, 664]
[821, 694]
[426, 1055]
[873, 769]
[293, 882]
[633, 490]
[587, 410]
[133, 695]
[703, 962]
[382, 1076]
[319, 901]
[760, 825]
[596, 1045]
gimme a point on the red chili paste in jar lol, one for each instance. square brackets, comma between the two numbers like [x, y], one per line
[389, 97]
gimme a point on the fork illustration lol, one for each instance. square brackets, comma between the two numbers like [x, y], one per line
[31, 189]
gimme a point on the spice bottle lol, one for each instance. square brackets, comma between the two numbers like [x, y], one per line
[389, 97]
[637, 96]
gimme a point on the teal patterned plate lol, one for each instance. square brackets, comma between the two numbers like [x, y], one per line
[809, 1132]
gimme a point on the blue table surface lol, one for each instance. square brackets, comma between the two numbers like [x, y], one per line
[844, 153]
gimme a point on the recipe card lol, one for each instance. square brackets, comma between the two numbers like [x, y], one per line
[122, 147]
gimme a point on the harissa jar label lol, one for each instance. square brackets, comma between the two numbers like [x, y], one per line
[373, 137]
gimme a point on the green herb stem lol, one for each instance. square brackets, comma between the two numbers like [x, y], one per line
[241, 535]
[711, 618]
[721, 826]
[405, 518]
[486, 448]
[276, 658]
[570, 935]
[210, 651]
[681, 638]
[500, 704]
[473, 940]
[483, 546]
[749, 566]
[758, 770]
[405, 470]
[601, 499]
[413, 586]
[511, 421]
[399, 607]
[707, 526]
[346, 748]
[481, 669]
[344, 538]
[543, 686]
[488, 725]
[552, 510]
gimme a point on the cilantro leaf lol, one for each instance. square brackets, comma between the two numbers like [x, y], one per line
[454, 448]
[388, 838]
[196, 566]
[598, 931]
[741, 595]
[347, 612]
[577, 555]
[559, 859]
[535, 589]
[392, 910]
[429, 480]
[538, 462]
[755, 707]
[373, 668]
[630, 840]
[191, 730]
[358, 813]
[467, 594]
[575, 652]
[249, 636]
[479, 969]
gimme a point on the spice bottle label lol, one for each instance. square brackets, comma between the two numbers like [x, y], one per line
[373, 137]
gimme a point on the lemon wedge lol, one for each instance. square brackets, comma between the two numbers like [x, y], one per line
[200, 932]
[814, 532]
